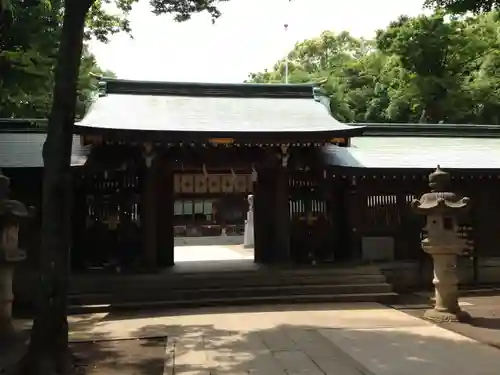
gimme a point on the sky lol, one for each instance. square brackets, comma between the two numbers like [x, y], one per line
[249, 37]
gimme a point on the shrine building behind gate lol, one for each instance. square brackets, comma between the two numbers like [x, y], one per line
[182, 159]
[179, 160]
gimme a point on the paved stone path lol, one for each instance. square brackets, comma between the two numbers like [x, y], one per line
[348, 339]
[210, 253]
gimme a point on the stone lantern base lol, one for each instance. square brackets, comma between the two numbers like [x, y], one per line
[438, 316]
[446, 306]
[6, 298]
[8, 260]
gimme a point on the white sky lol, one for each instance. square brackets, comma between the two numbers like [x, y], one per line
[249, 37]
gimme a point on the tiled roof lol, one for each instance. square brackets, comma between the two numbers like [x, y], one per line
[25, 150]
[417, 152]
[182, 113]
[218, 109]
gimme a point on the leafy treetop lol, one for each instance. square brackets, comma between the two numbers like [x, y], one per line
[29, 39]
[422, 69]
[464, 6]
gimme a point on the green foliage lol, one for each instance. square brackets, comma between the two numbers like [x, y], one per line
[183, 9]
[464, 6]
[29, 40]
[424, 69]
[28, 48]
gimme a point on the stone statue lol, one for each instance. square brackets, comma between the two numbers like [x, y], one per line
[444, 243]
[250, 202]
[248, 237]
[10, 214]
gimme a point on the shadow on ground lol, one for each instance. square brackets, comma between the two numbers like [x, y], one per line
[284, 349]
[201, 349]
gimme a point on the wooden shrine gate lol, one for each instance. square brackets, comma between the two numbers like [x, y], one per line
[383, 224]
[385, 228]
[105, 201]
[310, 208]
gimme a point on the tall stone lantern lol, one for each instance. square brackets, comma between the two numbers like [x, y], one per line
[443, 243]
[11, 212]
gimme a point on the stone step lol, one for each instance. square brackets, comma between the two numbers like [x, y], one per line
[160, 284]
[283, 299]
[258, 285]
[231, 272]
[227, 292]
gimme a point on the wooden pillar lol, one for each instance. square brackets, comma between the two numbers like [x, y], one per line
[148, 212]
[282, 211]
[343, 221]
[282, 206]
[357, 201]
[264, 225]
[330, 221]
[79, 224]
[165, 215]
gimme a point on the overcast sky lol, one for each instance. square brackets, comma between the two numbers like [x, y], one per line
[249, 37]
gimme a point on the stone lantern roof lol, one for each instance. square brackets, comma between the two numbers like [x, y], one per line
[440, 201]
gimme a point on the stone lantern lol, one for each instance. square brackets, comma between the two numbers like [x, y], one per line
[11, 212]
[443, 243]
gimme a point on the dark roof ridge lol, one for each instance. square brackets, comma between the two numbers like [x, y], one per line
[237, 90]
[430, 130]
[23, 125]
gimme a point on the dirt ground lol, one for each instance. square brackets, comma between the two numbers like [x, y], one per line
[484, 308]
[121, 357]
[113, 357]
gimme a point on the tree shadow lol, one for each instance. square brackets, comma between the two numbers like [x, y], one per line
[198, 349]
[230, 345]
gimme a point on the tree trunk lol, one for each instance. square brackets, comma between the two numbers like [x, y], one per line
[48, 352]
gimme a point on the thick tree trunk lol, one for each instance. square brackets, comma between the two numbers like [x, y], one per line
[48, 353]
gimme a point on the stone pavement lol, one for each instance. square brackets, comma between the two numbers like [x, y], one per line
[212, 252]
[347, 339]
